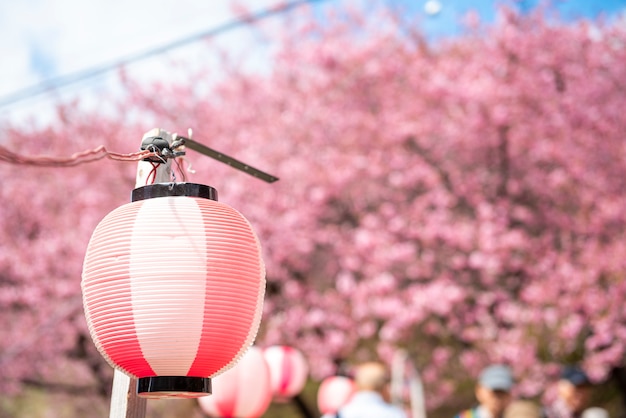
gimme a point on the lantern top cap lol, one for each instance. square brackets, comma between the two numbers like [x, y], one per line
[173, 189]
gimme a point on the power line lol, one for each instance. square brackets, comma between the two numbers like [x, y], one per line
[63, 81]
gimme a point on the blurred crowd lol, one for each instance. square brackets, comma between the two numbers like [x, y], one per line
[493, 391]
[494, 395]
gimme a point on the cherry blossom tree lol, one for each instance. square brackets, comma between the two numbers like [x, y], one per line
[47, 216]
[463, 200]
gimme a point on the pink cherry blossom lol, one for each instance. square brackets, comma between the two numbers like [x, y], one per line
[464, 201]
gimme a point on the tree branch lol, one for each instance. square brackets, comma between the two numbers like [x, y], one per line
[503, 157]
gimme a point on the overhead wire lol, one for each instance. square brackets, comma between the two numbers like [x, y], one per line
[77, 158]
[65, 80]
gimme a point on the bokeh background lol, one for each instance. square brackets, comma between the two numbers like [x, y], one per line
[452, 181]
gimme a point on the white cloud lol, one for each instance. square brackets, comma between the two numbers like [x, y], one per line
[43, 39]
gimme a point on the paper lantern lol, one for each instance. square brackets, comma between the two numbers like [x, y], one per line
[288, 371]
[333, 393]
[243, 391]
[173, 287]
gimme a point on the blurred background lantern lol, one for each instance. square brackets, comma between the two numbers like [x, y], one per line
[333, 393]
[288, 371]
[243, 391]
[173, 286]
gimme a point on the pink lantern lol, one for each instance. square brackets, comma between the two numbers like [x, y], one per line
[173, 287]
[333, 393]
[243, 391]
[288, 371]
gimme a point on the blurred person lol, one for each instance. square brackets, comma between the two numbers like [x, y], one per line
[523, 409]
[493, 393]
[595, 412]
[574, 393]
[371, 399]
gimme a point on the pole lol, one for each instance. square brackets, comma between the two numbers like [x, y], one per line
[404, 369]
[124, 400]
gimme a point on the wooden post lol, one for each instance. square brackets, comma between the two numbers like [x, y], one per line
[124, 400]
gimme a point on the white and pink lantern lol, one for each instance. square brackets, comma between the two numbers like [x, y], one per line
[173, 286]
[243, 391]
[333, 393]
[288, 370]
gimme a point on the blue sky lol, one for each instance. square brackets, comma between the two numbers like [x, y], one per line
[450, 12]
[42, 40]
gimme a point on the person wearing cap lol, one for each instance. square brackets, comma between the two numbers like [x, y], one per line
[493, 392]
[574, 393]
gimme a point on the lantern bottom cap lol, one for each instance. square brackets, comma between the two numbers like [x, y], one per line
[173, 387]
